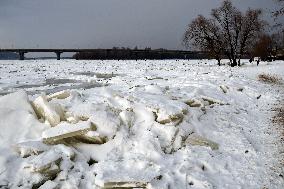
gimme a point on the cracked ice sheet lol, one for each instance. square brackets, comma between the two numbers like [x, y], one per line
[247, 150]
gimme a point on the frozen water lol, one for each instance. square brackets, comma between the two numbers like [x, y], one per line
[166, 124]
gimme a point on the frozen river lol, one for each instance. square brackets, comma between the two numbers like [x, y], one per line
[160, 124]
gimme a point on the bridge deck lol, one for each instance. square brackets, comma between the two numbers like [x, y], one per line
[58, 51]
[92, 50]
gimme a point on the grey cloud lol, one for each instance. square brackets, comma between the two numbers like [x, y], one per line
[103, 23]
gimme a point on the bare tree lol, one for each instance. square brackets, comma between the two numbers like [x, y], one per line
[205, 35]
[251, 28]
[280, 11]
[228, 20]
[229, 30]
[278, 15]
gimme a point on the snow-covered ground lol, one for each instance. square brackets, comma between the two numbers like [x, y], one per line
[164, 124]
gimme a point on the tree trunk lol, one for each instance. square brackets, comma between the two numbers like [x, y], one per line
[234, 63]
[239, 62]
[230, 59]
[219, 61]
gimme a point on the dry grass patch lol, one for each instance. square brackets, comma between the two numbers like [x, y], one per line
[269, 78]
[279, 118]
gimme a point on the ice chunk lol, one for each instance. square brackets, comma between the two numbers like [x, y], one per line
[44, 110]
[213, 101]
[130, 184]
[72, 118]
[92, 137]
[45, 162]
[197, 140]
[91, 140]
[66, 130]
[100, 152]
[48, 162]
[59, 110]
[205, 100]
[194, 103]
[59, 95]
[166, 110]
[164, 119]
[25, 149]
[106, 122]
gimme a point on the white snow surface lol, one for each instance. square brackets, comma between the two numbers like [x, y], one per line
[141, 108]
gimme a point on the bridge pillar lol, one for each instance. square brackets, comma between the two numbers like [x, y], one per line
[22, 55]
[58, 55]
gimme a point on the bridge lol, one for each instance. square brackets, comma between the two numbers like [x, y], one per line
[58, 52]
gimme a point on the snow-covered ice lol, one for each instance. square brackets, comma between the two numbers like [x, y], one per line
[165, 124]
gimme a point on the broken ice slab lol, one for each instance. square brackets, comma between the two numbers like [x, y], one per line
[197, 140]
[194, 103]
[59, 110]
[204, 100]
[165, 109]
[45, 163]
[46, 111]
[173, 115]
[48, 163]
[59, 95]
[26, 149]
[52, 171]
[105, 75]
[88, 139]
[66, 130]
[129, 185]
[72, 118]
[174, 119]
[213, 100]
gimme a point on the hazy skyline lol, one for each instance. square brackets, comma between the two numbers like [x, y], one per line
[104, 24]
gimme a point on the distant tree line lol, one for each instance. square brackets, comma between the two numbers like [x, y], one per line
[269, 46]
[280, 11]
[137, 54]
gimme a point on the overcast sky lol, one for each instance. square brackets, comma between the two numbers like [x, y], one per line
[104, 23]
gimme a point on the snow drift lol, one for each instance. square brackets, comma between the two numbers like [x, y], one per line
[162, 126]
